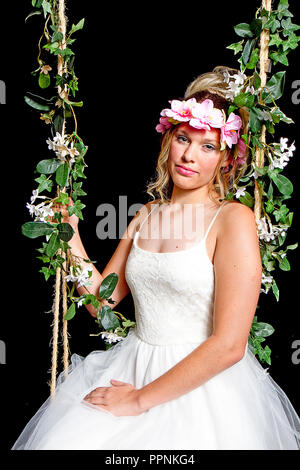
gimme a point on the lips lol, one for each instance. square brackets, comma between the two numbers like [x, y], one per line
[185, 170]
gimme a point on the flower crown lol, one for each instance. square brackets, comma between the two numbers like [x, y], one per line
[205, 116]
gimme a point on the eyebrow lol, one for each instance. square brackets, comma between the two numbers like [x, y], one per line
[212, 141]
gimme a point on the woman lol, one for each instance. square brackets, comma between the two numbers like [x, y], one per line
[183, 378]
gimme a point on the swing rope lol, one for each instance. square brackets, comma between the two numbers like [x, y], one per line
[264, 68]
[60, 282]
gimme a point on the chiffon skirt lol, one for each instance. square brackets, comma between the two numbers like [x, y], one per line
[240, 408]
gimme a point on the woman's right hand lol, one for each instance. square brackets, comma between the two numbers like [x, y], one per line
[73, 220]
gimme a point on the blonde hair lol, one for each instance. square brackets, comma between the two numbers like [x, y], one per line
[210, 85]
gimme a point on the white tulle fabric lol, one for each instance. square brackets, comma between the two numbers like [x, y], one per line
[240, 408]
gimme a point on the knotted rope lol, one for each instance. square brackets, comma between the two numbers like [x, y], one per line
[60, 282]
[264, 68]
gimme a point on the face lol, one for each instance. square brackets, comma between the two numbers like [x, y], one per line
[196, 150]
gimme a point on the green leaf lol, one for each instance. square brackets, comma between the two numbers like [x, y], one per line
[284, 185]
[73, 103]
[78, 26]
[288, 27]
[108, 318]
[256, 120]
[253, 60]
[247, 199]
[275, 87]
[34, 12]
[236, 47]
[34, 104]
[279, 57]
[263, 329]
[243, 30]
[108, 285]
[53, 245]
[292, 247]
[272, 23]
[36, 229]
[70, 312]
[284, 264]
[256, 26]
[48, 166]
[62, 174]
[244, 99]
[76, 209]
[65, 231]
[47, 272]
[275, 290]
[44, 183]
[44, 80]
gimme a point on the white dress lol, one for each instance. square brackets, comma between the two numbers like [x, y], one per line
[239, 408]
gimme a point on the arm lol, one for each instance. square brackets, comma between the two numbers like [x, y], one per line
[116, 264]
[238, 273]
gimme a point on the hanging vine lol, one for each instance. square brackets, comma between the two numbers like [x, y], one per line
[266, 41]
[60, 178]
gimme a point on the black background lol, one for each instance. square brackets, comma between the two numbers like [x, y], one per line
[130, 60]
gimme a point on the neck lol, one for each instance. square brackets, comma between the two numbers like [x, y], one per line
[194, 196]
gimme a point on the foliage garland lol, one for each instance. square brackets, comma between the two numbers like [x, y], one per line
[63, 174]
[67, 168]
[274, 188]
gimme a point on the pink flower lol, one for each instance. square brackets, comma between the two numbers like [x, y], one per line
[230, 131]
[180, 110]
[206, 116]
[163, 124]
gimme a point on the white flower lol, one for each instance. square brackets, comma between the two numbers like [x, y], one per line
[267, 231]
[239, 78]
[278, 162]
[234, 90]
[240, 192]
[61, 148]
[250, 89]
[79, 275]
[80, 302]
[41, 212]
[283, 144]
[254, 174]
[35, 195]
[111, 337]
[266, 279]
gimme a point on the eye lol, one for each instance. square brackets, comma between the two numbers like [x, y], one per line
[181, 138]
[209, 147]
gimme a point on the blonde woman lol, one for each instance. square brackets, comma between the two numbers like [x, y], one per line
[184, 377]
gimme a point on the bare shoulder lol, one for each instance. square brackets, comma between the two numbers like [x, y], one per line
[237, 229]
[235, 215]
[140, 216]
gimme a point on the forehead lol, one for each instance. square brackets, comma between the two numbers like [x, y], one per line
[212, 135]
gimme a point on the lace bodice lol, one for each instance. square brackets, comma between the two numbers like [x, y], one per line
[173, 292]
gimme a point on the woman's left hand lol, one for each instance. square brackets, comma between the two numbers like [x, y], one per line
[121, 399]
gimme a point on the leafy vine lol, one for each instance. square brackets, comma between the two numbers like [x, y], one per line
[63, 174]
[274, 187]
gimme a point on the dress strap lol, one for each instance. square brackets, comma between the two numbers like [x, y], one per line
[213, 219]
[154, 205]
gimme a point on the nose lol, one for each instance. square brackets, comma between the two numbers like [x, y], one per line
[189, 153]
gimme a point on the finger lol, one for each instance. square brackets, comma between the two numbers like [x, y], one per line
[117, 382]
